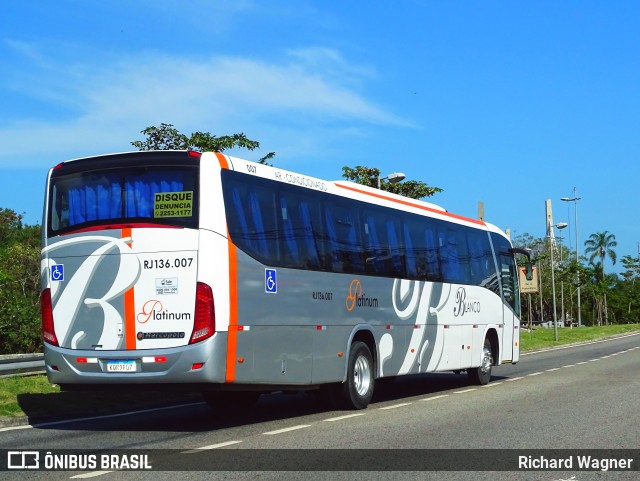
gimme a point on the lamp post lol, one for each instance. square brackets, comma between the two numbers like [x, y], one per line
[559, 225]
[562, 314]
[575, 200]
[394, 178]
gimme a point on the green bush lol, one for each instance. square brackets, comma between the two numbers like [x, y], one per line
[20, 330]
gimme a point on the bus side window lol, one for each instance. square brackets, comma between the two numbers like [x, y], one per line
[412, 258]
[331, 246]
[289, 234]
[397, 264]
[432, 256]
[507, 274]
[373, 252]
[451, 267]
[258, 225]
[243, 239]
[309, 236]
[343, 239]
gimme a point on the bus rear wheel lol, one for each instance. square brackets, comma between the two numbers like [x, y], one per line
[356, 392]
[482, 375]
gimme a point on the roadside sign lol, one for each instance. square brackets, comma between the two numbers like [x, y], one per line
[526, 286]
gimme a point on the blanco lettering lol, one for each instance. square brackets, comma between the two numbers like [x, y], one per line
[463, 306]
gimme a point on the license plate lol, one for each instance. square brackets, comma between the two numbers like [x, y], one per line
[121, 366]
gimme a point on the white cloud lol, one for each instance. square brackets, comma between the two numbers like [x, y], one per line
[103, 105]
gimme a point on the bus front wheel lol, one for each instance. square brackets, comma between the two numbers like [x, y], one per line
[481, 375]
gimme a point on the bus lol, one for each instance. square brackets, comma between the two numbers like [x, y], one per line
[202, 271]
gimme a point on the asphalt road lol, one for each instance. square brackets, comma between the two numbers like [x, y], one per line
[577, 398]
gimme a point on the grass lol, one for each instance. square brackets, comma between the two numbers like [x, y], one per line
[14, 386]
[34, 397]
[543, 338]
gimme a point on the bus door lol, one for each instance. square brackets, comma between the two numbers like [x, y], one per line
[508, 271]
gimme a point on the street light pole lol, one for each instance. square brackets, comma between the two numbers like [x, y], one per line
[559, 225]
[394, 178]
[575, 200]
[553, 290]
[562, 315]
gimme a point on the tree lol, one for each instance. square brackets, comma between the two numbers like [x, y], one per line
[369, 176]
[601, 245]
[629, 286]
[10, 224]
[19, 285]
[166, 137]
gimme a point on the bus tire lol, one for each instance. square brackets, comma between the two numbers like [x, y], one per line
[356, 392]
[231, 401]
[482, 375]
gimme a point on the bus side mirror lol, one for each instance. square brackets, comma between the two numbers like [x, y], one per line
[528, 271]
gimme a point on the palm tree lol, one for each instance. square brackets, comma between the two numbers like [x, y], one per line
[601, 245]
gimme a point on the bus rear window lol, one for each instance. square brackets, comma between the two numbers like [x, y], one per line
[162, 195]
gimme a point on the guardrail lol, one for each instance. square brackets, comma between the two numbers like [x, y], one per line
[12, 364]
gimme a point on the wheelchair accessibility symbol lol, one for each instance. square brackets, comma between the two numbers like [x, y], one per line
[57, 272]
[270, 281]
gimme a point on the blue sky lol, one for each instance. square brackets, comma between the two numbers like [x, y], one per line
[508, 103]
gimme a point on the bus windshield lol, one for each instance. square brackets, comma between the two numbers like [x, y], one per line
[102, 196]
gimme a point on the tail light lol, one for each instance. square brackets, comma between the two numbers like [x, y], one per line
[205, 318]
[48, 331]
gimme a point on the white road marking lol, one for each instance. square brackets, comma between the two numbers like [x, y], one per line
[92, 474]
[211, 446]
[346, 416]
[286, 430]
[466, 390]
[433, 398]
[394, 406]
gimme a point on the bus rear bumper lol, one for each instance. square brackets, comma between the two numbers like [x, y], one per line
[204, 362]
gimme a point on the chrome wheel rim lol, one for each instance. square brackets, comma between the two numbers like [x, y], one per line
[362, 375]
[486, 360]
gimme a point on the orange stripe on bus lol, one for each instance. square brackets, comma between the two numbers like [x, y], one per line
[129, 307]
[223, 160]
[232, 334]
[411, 204]
[129, 319]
